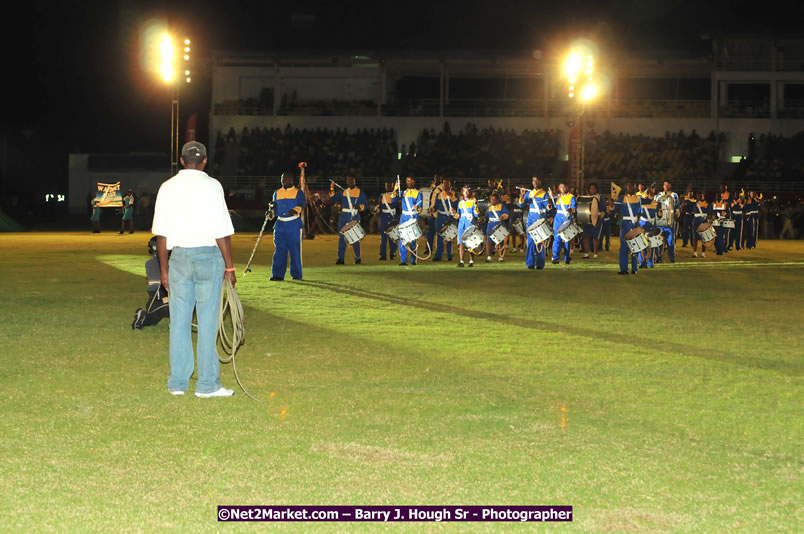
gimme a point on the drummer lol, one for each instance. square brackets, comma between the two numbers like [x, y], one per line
[444, 207]
[750, 221]
[699, 211]
[591, 232]
[466, 214]
[352, 201]
[565, 210]
[496, 214]
[736, 235]
[388, 204]
[629, 206]
[669, 231]
[720, 209]
[432, 217]
[537, 201]
[647, 220]
[605, 226]
[411, 201]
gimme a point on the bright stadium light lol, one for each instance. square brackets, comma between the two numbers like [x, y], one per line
[166, 55]
[573, 64]
[589, 92]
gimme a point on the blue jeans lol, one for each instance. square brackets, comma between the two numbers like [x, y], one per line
[196, 277]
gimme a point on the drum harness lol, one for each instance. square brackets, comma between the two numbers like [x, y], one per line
[539, 212]
[407, 246]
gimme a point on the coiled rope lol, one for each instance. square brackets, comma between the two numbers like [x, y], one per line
[230, 303]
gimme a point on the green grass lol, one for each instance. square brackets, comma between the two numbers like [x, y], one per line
[666, 401]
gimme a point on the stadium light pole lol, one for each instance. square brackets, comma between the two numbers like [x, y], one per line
[170, 65]
[581, 90]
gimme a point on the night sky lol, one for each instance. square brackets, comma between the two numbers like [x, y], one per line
[72, 72]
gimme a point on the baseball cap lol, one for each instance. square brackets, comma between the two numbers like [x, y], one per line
[194, 149]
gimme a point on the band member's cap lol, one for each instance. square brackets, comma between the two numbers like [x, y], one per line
[193, 149]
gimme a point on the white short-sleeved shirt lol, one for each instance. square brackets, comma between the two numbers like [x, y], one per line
[191, 211]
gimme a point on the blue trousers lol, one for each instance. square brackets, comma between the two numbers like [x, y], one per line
[535, 254]
[439, 251]
[385, 241]
[735, 236]
[721, 239]
[287, 241]
[625, 227]
[605, 235]
[195, 276]
[670, 240]
[342, 242]
[403, 248]
[558, 244]
[431, 231]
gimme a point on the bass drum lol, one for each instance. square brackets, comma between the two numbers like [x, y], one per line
[482, 200]
[588, 211]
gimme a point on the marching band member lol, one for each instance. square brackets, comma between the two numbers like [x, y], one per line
[642, 191]
[720, 208]
[647, 219]
[516, 215]
[466, 214]
[432, 216]
[388, 204]
[565, 209]
[736, 235]
[496, 214]
[411, 200]
[751, 221]
[685, 217]
[629, 206]
[444, 207]
[288, 203]
[605, 228]
[669, 234]
[699, 211]
[538, 203]
[352, 201]
[591, 232]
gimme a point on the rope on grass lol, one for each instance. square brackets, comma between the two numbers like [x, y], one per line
[230, 303]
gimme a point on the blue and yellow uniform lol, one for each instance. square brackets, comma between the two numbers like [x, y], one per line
[629, 207]
[445, 203]
[350, 199]
[411, 201]
[688, 219]
[721, 210]
[288, 205]
[538, 203]
[564, 203]
[388, 205]
[467, 214]
[699, 212]
[496, 214]
[647, 220]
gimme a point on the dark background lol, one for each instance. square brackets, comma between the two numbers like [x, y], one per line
[73, 81]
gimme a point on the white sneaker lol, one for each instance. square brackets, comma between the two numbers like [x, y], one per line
[694, 254]
[222, 392]
[488, 259]
[586, 255]
[176, 392]
[501, 260]
[703, 254]
[595, 256]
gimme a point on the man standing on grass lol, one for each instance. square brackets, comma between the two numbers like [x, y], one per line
[192, 220]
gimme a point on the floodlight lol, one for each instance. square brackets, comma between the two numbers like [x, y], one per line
[573, 64]
[589, 92]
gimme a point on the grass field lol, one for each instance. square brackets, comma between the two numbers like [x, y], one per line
[667, 401]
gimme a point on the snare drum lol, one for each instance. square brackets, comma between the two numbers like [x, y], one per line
[568, 231]
[409, 231]
[392, 232]
[449, 231]
[655, 237]
[472, 237]
[636, 240]
[707, 232]
[727, 223]
[427, 193]
[499, 233]
[352, 232]
[540, 231]
[519, 227]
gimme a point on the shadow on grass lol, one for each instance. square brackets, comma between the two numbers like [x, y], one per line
[665, 346]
